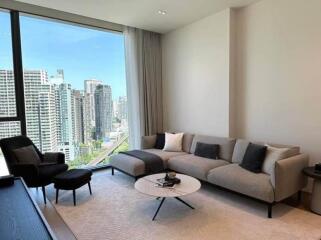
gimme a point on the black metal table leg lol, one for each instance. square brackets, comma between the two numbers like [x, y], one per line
[184, 202]
[161, 203]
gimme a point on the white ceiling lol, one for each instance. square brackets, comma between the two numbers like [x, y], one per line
[143, 13]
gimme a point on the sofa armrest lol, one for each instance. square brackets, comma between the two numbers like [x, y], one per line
[148, 142]
[54, 157]
[287, 178]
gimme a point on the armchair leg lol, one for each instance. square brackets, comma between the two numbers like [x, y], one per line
[89, 188]
[270, 210]
[74, 196]
[44, 194]
[57, 194]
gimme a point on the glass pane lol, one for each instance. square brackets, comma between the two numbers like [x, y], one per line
[75, 89]
[7, 85]
[7, 129]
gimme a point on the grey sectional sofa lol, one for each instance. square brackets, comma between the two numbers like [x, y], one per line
[278, 181]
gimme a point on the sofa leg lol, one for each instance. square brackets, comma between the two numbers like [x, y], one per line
[270, 210]
[112, 171]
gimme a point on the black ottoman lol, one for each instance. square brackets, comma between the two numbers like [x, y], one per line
[71, 180]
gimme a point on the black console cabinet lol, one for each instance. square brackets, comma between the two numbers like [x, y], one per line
[20, 217]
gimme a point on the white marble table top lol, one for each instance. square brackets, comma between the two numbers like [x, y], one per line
[148, 185]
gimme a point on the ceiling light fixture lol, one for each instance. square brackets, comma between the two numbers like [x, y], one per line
[162, 12]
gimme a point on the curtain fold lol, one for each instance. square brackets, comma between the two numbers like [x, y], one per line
[144, 83]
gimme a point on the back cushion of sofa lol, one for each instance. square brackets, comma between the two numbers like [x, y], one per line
[187, 142]
[226, 145]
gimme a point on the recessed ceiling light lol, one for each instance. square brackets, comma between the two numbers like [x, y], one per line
[162, 12]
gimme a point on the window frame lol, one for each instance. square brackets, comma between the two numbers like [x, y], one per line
[17, 52]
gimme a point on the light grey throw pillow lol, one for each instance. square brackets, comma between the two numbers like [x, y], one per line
[274, 154]
[239, 150]
[27, 155]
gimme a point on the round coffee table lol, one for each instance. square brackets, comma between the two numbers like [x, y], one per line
[149, 186]
[316, 191]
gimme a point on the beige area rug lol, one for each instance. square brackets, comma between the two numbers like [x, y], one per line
[117, 211]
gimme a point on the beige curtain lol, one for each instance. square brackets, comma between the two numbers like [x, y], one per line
[151, 80]
[144, 83]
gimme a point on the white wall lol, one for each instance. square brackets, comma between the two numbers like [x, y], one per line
[196, 76]
[276, 93]
[278, 84]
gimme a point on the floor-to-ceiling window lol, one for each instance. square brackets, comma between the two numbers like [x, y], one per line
[74, 88]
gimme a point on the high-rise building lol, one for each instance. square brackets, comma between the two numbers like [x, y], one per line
[64, 119]
[103, 111]
[39, 104]
[40, 110]
[88, 127]
[90, 88]
[78, 116]
[7, 94]
[122, 108]
[8, 104]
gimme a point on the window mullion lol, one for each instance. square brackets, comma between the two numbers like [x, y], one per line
[18, 69]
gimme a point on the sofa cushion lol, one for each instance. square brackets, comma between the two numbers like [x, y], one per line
[187, 142]
[194, 166]
[235, 178]
[254, 157]
[239, 150]
[226, 145]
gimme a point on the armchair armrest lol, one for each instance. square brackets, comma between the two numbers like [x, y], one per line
[288, 178]
[27, 171]
[54, 157]
[148, 141]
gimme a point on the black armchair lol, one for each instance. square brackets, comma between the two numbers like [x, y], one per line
[35, 174]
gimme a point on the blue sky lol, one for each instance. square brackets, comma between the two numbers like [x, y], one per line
[82, 53]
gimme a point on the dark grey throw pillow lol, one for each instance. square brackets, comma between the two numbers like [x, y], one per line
[207, 150]
[27, 155]
[160, 141]
[254, 157]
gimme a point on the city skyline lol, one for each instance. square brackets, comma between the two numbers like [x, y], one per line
[60, 118]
